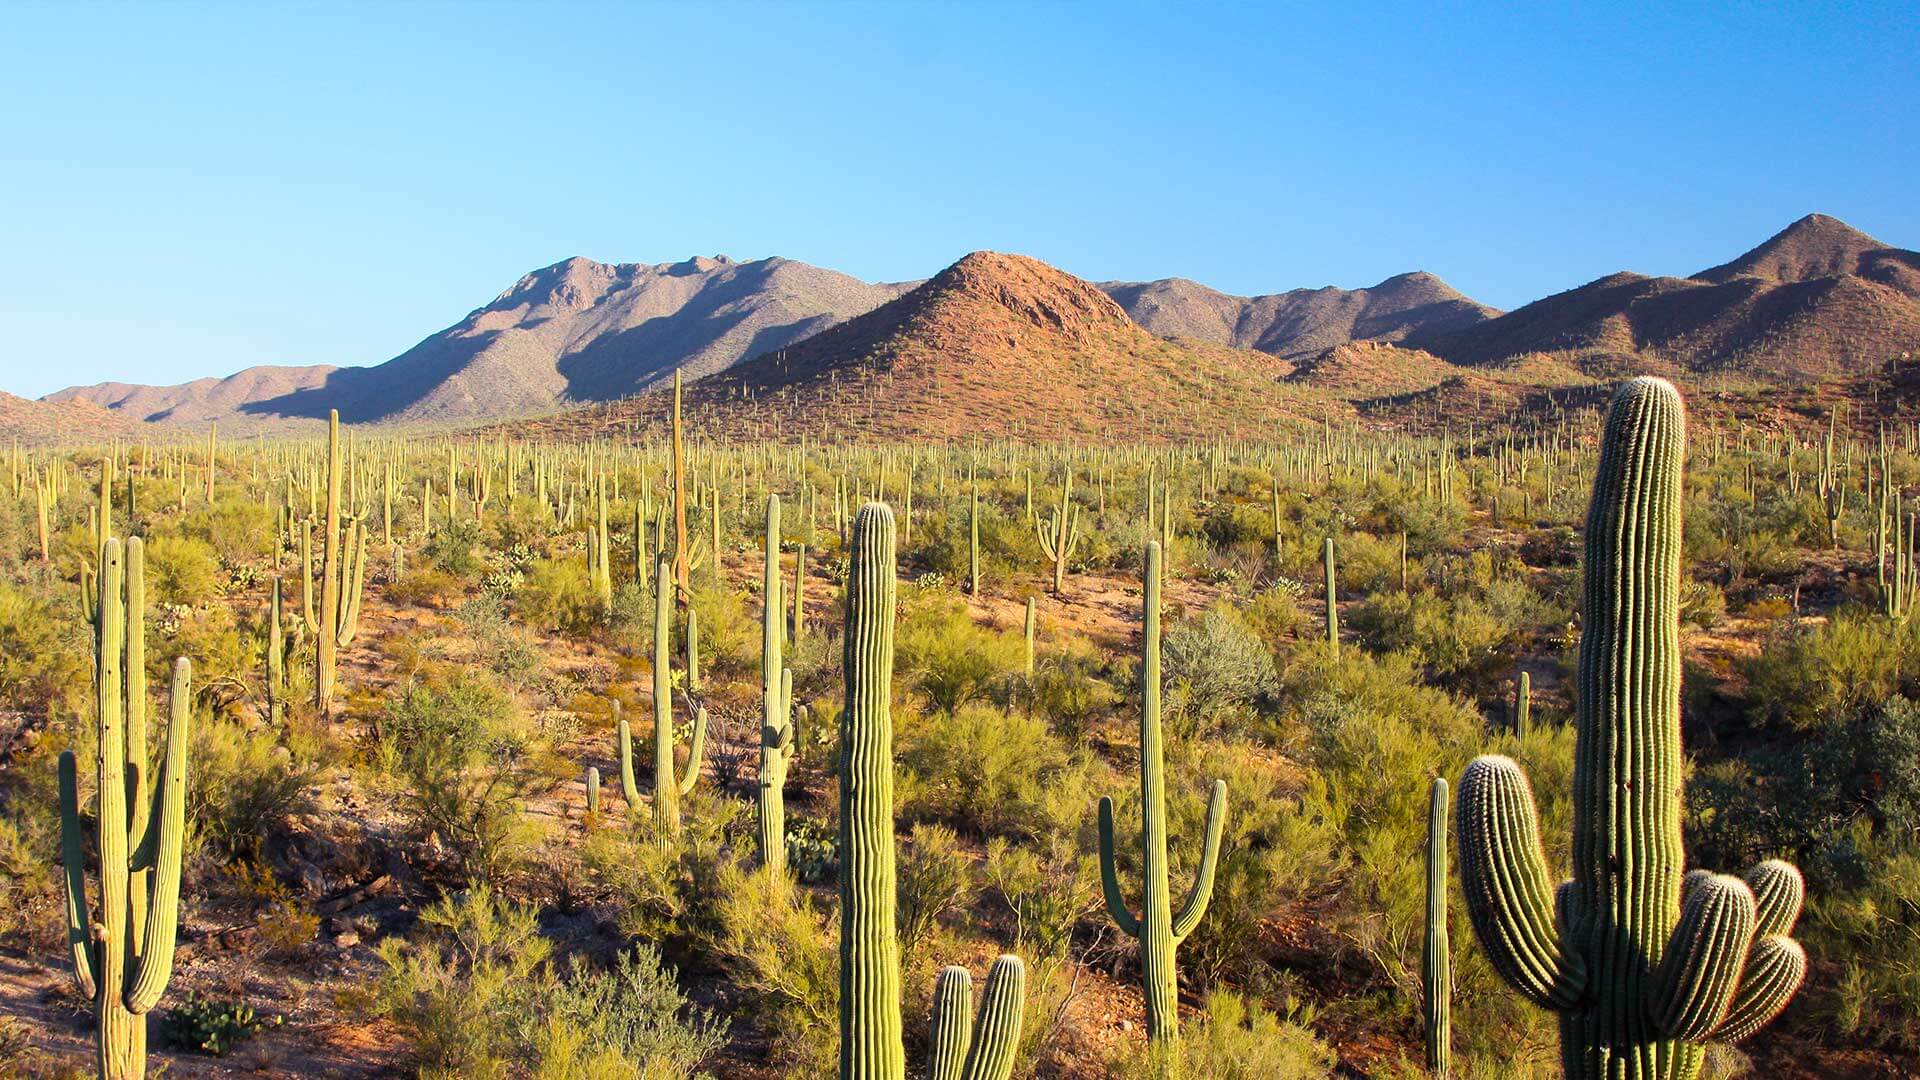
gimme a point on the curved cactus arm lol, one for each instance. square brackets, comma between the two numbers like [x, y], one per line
[1775, 969]
[947, 1035]
[1195, 906]
[629, 790]
[1110, 874]
[696, 749]
[353, 576]
[1778, 892]
[996, 1030]
[168, 831]
[1701, 968]
[73, 856]
[1503, 873]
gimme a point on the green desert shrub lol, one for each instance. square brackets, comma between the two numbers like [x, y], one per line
[989, 772]
[782, 955]
[950, 658]
[181, 570]
[45, 653]
[558, 595]
[1214, 665]
[1235, 1039]
[244, 786]
[465, 763]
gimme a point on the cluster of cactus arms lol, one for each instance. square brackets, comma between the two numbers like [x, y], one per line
[776, 707]
[1436, 958]
[1644, 962]
[1060, 533]
[342, 577]
[1833, 492]
[870, 1025]
[1158, 928]
[122, 951]
[964, 1045]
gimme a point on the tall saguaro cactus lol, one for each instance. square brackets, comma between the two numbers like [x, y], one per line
[1644, 965]
[1060, 533]
[776, 722]
[1158, 928]
[1436, 958]
[342, 577]
[870, 1046]
[122, 951]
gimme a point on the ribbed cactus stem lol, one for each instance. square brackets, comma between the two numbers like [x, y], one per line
[776, 730]
[1029, 629]
[326, 640]
[593, 789]
[989, 1049]
[1158, 928]
[276, 656]
[1643, 961]
[870, 1041]
[1523, 705]
[666, 784]
[1333, 599]
[1436, 958]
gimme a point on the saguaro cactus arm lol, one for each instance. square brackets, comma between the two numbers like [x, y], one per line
[161, 849]
[1503, 873]
[1194, 908]
[73, 856]
[1110, 874]
[1701, 968]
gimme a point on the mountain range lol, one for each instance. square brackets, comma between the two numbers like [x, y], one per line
[1816, 300]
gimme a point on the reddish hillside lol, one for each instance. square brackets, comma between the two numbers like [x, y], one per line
[1817, 300]
[995, 345]
[58, 422]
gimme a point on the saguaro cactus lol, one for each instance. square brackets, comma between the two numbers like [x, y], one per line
[1436, 959]
[988, 1051]
[1060, 533]
[1158, 928]
[870, 1046]
[276, 656]
[776, 724]
[342, 577]
[1333, 599]
[1643, 965]
[122, 952]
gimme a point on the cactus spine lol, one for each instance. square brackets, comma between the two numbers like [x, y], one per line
[776, 725]
[870, 1046]
[1436, 960]
[1642, 966]
[988, 1052]
[122, 952]
[1158, 929]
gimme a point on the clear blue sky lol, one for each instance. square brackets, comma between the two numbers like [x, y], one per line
[189, 191]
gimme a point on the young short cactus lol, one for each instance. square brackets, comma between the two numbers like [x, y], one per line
[870, 1046]
[1643, 967]
[1158, 928]
[966, 1046]
[122, 951]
